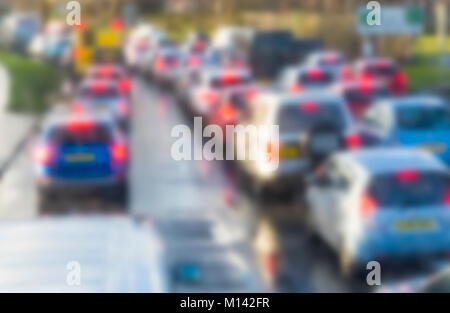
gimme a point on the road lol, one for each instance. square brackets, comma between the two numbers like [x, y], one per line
[199, 209]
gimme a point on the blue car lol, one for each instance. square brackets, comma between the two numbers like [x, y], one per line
[80, 154]
[414, 121]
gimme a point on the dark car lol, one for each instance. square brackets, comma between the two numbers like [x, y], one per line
[80, 154]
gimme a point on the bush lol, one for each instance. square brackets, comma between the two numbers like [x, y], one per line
[31, 83]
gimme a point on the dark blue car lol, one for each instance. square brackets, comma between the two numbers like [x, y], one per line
[80, 154]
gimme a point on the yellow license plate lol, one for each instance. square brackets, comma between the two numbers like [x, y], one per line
[406, 225]
[289, 152]
[436, 147]
[80, 157]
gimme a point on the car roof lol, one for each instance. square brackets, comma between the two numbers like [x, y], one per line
[389, 159]
[90, 82]
[357, 83]
[418, 100]
[114, 254]
[64, 118]
[312, 95]
[215, 71]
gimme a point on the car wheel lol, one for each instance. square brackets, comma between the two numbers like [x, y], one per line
[120, 196]
[44, 206]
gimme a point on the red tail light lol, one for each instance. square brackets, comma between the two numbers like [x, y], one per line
[125, 85]
[367, 205]
[447, 197]
[330, 58]
[309, 107]
[400, 78]
[210, 97]
[353, 141]
[346, 72]
[119, 153]
[229, 78]
[117, 24]
[228, 112]
[98, 87]
[315, 73]
[194, 61]
[407, 175]
[250, 94]
[77, 108]
[43, 154]
[160, 64]
[80, 125]
[296, 88]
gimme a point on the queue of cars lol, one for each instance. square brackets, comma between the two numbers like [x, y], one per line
[86, 150]
[370, 160]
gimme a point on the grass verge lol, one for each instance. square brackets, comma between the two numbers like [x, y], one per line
[31, 83]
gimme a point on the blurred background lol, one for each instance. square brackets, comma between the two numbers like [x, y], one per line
[91, 199]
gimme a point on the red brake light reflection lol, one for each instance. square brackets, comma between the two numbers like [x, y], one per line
[353, 141]
[309, 107]
[407, 175]
[447, 197]
[80, 125]
[315, 74]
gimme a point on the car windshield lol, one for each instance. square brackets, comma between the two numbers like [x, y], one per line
[331, 60]
[382, 69]
[358, 95]
[110, 75]
[409, 189]
[105, 93]
[295, 118]
[315, 78]
[230, 80]
[81, 133]
[423, 118]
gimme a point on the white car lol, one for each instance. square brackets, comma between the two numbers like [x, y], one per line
[312, 125]
[381, 204]
[300, 78]
[206, 94]
[326, 59]
[81, 254]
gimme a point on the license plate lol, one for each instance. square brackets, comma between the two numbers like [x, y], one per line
[289, 152]
[434, 147]
[79, 157]
[408, 225]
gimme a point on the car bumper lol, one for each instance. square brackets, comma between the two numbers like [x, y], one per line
[79, 185]
[404, 247]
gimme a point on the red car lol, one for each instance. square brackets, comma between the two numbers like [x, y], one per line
[384, 70]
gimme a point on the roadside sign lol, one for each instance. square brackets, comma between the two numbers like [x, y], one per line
[395, 20]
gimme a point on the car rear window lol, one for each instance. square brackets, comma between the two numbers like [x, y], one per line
[382, 69]
[294, 118]
[359, 95]
[109, 92]
[333, 60]
[423, 118]
[83, 133]
[409, 189]
[112, 75]
[317, 78]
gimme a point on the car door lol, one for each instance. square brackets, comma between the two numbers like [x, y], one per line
[334, 206]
